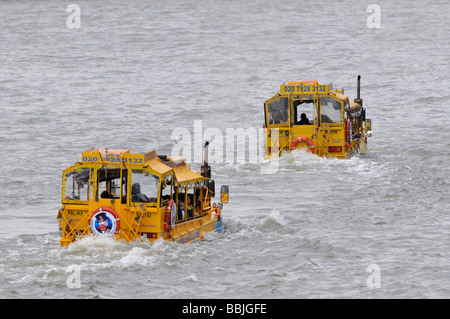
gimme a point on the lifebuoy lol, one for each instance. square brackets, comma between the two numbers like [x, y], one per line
[347, 130]
[104, 220]
[171, 213]
[305, 140]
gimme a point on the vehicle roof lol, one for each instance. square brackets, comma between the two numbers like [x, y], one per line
[185, 175]
[156, 165]
[161, 165]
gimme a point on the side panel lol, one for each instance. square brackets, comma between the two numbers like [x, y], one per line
[277, 123]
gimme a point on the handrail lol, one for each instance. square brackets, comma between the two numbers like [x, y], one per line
[69, 229]
[324, 137]
[281, 148]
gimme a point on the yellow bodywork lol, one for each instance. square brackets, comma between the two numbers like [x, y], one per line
[316, 117]
[100, 196]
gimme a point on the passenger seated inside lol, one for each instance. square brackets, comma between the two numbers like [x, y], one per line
[303, 120]
[180, 210]
[190, 209]
[136, 195]
[105, 194]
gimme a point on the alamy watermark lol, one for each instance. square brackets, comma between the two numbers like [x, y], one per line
[74, 279]
[374, 279]
[74, 19]
[232, 146]
[374, 20]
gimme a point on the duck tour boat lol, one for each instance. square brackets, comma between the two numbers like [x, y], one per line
[318, 118]
[129, 196]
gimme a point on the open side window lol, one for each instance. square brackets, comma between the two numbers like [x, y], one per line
[331, 110]
[76, 184]
[144, 187]
[109, 183]
[166, 190]
[303, 112]
[277, 111]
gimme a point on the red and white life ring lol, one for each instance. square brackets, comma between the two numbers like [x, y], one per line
[347, 131]
[305, 140]
[104, 220]
[171, 213]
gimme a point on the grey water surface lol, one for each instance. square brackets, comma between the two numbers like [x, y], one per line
[136, 71]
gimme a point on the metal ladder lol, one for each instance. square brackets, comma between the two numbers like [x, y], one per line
[323, 140]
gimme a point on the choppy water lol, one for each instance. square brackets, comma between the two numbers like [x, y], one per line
[136, 70]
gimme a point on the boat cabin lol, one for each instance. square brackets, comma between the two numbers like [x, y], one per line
[130, 196]
[315, 116]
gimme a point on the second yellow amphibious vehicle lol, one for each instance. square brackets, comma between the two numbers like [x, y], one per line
[315, 116]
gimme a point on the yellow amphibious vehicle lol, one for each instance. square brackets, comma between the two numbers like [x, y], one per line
[315, 116]
[113, 192]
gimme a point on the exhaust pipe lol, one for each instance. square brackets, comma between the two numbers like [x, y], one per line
[358, 91]
[206, 169]
[359, 88]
